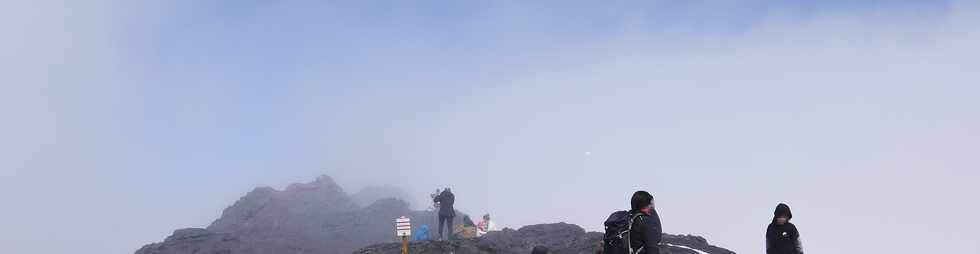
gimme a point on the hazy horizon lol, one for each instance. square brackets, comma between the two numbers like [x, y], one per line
[124, 121]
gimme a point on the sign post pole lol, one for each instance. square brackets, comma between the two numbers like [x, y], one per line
[404, 245]
[403, 228]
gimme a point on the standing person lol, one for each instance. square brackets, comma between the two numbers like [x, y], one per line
[647, 231]
[637, 231]
[446, 211]
[781, 235]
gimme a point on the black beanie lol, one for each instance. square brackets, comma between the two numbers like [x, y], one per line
[640, 200]
[783, 209]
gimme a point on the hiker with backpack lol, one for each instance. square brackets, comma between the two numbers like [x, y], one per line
[637, 231]
[781, 235]
[445, 202]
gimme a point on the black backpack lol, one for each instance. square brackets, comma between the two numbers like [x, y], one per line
[618, 228]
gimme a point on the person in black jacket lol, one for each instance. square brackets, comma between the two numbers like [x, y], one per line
[781, 235]
[646, 232]
[446, 211]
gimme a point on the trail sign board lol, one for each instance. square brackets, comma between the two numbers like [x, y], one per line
[403, 226]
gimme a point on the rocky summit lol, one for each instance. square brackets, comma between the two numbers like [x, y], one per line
[315, 217]
[320, 218]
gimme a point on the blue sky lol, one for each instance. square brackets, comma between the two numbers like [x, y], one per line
[147, 117]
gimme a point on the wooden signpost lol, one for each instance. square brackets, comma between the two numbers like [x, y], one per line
[403, 228]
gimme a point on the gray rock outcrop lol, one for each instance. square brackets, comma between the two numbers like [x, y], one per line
[315, 217]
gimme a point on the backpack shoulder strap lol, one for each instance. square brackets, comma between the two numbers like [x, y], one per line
[634, 218]
[629, 230]
[637, 217]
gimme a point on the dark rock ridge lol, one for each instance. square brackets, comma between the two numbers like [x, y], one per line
[560, 238]
[320, 218]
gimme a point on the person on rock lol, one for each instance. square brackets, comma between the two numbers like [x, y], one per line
[782, 237]
[486, 225]
[446, 212]
[636, 231]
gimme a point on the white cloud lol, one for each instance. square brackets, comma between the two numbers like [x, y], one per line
[853, 119]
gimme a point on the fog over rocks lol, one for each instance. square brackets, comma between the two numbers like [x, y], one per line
[319, 217]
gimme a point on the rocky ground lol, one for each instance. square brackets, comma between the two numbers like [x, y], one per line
[560, 238]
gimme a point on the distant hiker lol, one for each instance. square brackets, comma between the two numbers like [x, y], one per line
[636, 231]
[445, 201]
[423, 233]
[486, 225]
[539, 250]
[781, 235]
